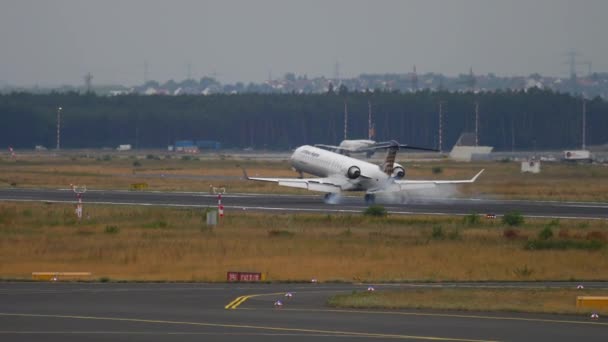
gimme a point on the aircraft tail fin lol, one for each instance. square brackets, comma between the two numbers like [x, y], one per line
[391, 154]
[245, 175]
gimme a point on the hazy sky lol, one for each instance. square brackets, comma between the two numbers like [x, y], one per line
[51, 42]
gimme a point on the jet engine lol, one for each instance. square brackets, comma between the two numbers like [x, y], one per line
[353, 172]
[398, 171]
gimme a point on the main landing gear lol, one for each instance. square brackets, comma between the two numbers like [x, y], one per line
[330, 198]
[370, 199]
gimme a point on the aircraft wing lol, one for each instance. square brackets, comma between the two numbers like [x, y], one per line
[404, 185]
[313, 184]
[421, 184]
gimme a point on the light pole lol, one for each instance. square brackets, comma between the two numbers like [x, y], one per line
[59, 127]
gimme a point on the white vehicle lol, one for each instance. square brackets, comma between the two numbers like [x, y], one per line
[340, 173]
[577, 155]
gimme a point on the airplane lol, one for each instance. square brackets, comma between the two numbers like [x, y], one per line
[338, 173]
[347, 147]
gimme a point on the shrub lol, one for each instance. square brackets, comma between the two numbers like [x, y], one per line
[187, 158]
[454, 235]
[523, 272]
[546, 233]
[437, 232]
[205, 229]
[564, 244]
[472, 219]
[27, 213]
[151, 157]
[111, 229]
[513, 218]
[583, 225]
[7, 215]
[157, 224]
[346, 233]
[375, 210]
[437, 169]
[510, 234]
[280, 233]
[564, 234]
[136, 163]
[596, 235]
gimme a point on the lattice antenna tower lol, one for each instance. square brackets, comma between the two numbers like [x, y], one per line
[572, 63]
[414, 80]
[146, 79]
[584, 134]
[88, 82]
[476, 123]
[371, 130]
[472, 81]
[345, 120]
[337, 72]
[440, 128]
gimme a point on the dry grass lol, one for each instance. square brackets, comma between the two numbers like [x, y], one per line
[561, 301]
[503, 180]
[173, 244]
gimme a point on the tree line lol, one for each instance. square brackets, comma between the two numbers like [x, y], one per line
[536, 119]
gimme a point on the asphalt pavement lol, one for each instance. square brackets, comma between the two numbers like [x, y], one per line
[314, 203]
[189, 312]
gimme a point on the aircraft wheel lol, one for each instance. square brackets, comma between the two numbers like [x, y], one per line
[370, 199]
[329, 198]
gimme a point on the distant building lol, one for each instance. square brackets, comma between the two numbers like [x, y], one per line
[531, 166]
[466, 150]
[191, 145]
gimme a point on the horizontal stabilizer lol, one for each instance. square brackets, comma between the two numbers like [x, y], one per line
[388, 144]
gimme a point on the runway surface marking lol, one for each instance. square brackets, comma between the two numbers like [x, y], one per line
[166, 333]
[422, 314]
[253, 327]
[313, 210]
[240, 300]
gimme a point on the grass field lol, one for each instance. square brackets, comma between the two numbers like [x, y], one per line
[562, 301]
[152, 243]
[186, 173]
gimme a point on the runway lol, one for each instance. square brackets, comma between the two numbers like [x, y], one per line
[189, 312]
[314, 203]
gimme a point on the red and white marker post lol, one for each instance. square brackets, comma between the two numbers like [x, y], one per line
[79, 191]
[220, 206]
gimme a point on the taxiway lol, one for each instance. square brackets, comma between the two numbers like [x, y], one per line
[189, 312]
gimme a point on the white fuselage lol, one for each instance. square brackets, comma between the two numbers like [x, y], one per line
[354, 145]
[323, 163]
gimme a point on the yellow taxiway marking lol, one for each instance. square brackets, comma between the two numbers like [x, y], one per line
[240, 300]
[253, 327]
[229, 306]
[498, 318]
